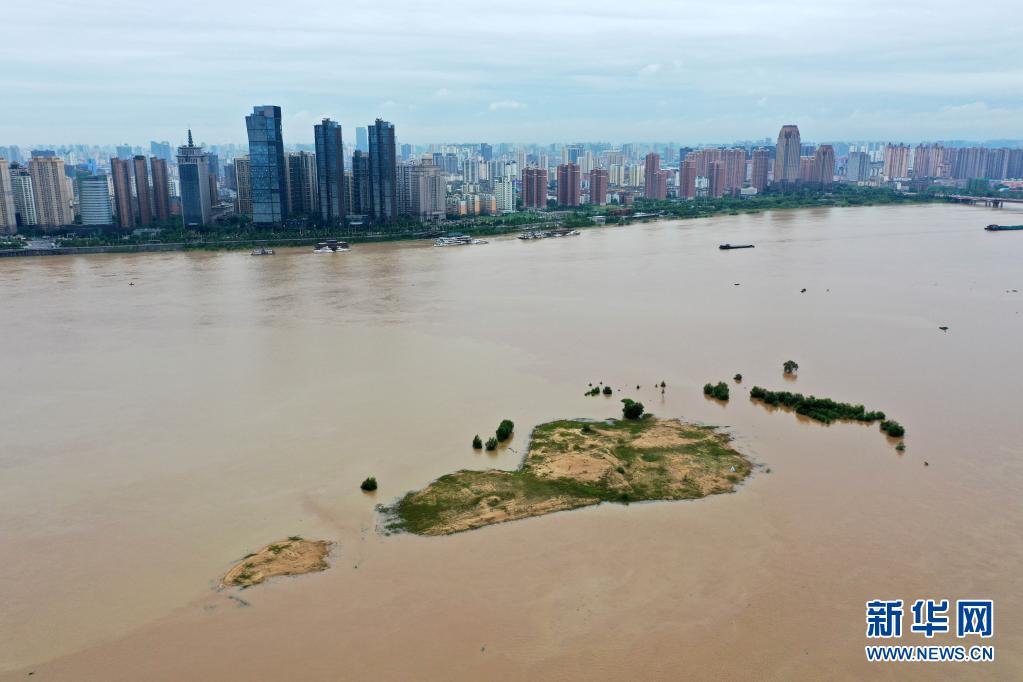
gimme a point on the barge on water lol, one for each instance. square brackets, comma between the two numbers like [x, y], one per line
[331, 246]
[1003, 228]
[727, 247]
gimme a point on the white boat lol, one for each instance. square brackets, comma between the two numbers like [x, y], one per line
[262, 252]
[458, 240]
[331, 246]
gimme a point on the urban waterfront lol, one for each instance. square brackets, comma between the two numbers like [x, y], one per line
[166, 413]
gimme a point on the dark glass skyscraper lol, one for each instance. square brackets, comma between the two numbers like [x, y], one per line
[362, 200]
[383, 172]
[330, 171]
[266, 159]
[361, 139]
[194, 184]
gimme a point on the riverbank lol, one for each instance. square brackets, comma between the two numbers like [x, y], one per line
[572, 464]
[651, 211]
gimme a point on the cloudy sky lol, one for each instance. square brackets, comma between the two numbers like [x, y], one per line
[106, 71]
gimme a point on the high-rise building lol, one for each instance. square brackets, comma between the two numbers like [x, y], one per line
[824, 162]
[534, 187]
[568, 184]
[428, 192]
[718, 177]
[213, 161]
[8, 214]
[361, 139]
[243, 195]
[504, 194]
[266, 166]
[120, 171]
[50, 190]
[786, 155]
[857, 167]
[383, 172]
[655, 184]
[161, 189]
[301, 183]
[808, 170]
[330, 171]
[927, 159]
[759, 163]
[735, 164]
[124, 152]
[161, 150]
[24, 196]
[687, 178]
[599, 178]
[194, 184]
[143, 195]
[486, 151]
[896, 161]
[94, 199]
[362, 196]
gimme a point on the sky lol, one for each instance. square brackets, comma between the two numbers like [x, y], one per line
[112, 71]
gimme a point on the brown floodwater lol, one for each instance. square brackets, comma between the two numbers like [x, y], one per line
[151, 435]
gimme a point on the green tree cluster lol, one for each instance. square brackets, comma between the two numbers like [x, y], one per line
[631, 409]
[823, 410]
[718, 390]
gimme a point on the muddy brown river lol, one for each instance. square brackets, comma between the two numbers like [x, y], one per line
[151, 435]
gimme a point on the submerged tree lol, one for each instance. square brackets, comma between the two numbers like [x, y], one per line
[477, 442]
[631, 409]
[504, 430]
[369, 485]
[790, 366]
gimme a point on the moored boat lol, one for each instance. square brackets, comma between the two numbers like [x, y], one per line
[262, 252]
[1003, 228]
[331, 246]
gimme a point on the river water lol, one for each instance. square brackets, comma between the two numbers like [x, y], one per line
[164, 414]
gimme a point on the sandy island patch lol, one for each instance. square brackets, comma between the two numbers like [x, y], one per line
[293, 556]
[574, 464]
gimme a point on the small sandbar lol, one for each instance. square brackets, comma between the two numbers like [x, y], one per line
[573, 464]
[293, 556]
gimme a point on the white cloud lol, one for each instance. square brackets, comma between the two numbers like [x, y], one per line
[506, 104]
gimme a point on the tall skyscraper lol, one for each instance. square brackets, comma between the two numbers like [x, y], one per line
[330, 171]
[361, 139]
[534, 187]
[124, 152]
[735, 164]
[50, 190]
[687, 178]
[302, 190]
[383, 172]
[504, 194]
[161, 150]
[786, 155]
[120, 171]
[24, 196]
[143, 195]
[857, 167]
[362, 196]
[94, 199]
[651, 181]
[598, 186]
[568, 184]
[243, 195]
[194, 184]
[896, 161]
[161, 189]
[718, 176]
[266, 165]
[759, 164]
[8, 214]
[428, 192]
[824, 160]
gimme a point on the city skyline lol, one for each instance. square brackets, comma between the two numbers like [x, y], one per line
[698, 74]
